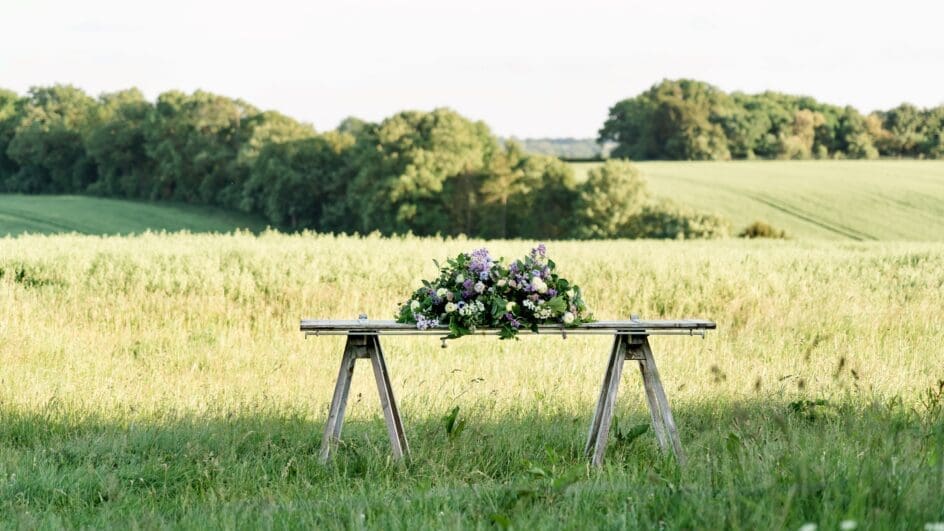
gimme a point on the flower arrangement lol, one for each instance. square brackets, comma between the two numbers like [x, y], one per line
[475, 290]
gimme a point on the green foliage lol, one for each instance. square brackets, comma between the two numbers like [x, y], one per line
[664, 219]
[420, 171]
[691, 120]
[48, 142]
[762, 229]
[672, 120]
[613, 194]
[10, 113]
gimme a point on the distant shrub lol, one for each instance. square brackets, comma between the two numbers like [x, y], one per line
[761, 229]
[668, 220]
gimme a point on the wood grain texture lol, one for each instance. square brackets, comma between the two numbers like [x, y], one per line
[625, 326]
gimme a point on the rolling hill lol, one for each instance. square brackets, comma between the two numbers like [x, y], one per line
[45, 214]
[850, 200]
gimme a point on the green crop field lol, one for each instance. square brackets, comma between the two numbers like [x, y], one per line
[41, 214]
[160, 381]
[850, 200]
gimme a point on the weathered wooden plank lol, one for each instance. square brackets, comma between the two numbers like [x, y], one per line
[655, 411]
[663, 401]
[601, 401]
[388, 402]
[603, 433]
[625, 326]
[342, 388]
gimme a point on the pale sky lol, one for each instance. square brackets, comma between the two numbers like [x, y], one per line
[527, 68]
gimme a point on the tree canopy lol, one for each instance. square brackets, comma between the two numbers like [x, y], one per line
[692, 120]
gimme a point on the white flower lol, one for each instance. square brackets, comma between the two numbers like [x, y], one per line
[848, 525]
[449, 296]
[510, 306]
[450, 307]
[934, 526]
[502, 282]
[808, 527]
[460, 278]
[568, 317]
[538, 285]
[479, 287]
[414, 305]
[441, 292]
[512, 283]
[570, 294]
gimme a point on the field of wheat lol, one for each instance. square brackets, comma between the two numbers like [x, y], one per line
[160, 380]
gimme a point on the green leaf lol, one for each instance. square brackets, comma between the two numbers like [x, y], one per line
[558, 304]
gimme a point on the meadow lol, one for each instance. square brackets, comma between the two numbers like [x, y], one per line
[857, 200]
[53, 214]
[159, 381]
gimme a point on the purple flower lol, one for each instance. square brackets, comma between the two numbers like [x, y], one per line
[551, 292]
[512, 321]
[467, 284]
[423, 323]
[480, 262]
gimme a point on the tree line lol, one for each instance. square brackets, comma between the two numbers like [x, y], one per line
[692, 120]
[422, 172]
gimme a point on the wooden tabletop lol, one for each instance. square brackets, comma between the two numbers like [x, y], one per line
[371, 326]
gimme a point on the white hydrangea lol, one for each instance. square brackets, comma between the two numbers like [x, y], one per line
[538, 285]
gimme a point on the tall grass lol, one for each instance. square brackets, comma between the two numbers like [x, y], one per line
[160, 380]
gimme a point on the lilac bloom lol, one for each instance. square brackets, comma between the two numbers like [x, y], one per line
[551, 292]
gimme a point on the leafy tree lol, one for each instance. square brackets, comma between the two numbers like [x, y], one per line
[505, 178]
[303, 183]
[906, 125]
[118, 145]
[544, 205]
[48, 141]
[261, 130]
[608, 200]
[672, 120]
[10, 108]
[194, 142]
[352, 126]
[407, 162]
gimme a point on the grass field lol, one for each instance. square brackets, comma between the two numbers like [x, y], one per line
[160, 381]
[849, 200]
[40, 214]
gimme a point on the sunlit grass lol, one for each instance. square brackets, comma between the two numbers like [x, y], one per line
[161, 380]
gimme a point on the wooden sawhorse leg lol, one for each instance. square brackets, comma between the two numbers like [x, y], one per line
[366, 346]
[632, 347]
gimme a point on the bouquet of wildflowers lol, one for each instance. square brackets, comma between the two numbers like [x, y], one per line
[474, 290]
